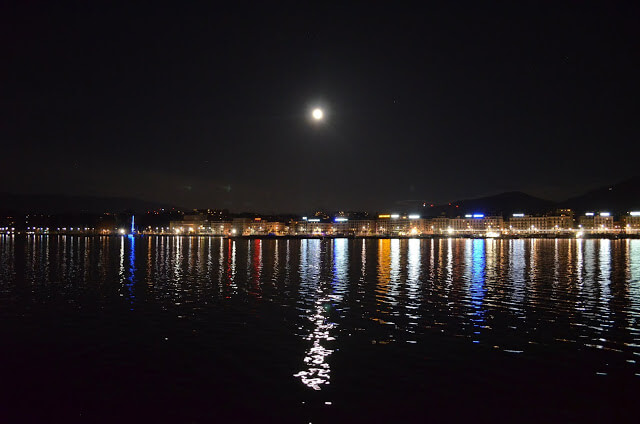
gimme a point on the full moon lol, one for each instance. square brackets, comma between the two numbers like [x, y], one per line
[317, 114]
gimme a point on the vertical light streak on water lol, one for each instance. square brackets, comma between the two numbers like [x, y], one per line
[579, 267]
[287, 265]
[394, 274]
[589, 294]
[363, 261]
[200, 262]
[209, 275]
[86, 263]
[361, 285]
[191, 258]
[62, 252]
[491, 293]
[121, 261]
[150, 260]
[130, 280]
[177, 260]
[221, 266]
[254, 267]
[477, 288]
[449, 276]
[316, 306]
[633, 273]
[432, 262]
[276, 263]
[604, 283]
[413, 283]
[533, 262]
[231, 286]
[517, 264]
[556, 263]
[384, 273]
[46, 248]
[340, 282]
[257, 266]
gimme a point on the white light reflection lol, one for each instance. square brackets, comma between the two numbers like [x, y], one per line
[394, 273]
[517, 265]
[604, 283]
[633, 263]
[413, 282]
[318, 371]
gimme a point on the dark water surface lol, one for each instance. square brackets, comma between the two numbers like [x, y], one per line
[178, 329]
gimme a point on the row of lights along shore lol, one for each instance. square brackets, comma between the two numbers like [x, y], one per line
[384, 225]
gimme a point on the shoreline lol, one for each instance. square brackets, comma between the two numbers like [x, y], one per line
[363, 237]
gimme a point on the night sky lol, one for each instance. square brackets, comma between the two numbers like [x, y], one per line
[209, 107]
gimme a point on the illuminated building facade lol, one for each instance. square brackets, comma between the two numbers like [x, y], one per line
[526, 223]
[399, 225]
[476, 223]
[631, 222]
[602, 221]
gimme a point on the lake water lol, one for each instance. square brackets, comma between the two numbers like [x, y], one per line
[198, 329]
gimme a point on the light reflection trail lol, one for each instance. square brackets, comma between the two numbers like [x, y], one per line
[633, 275]
[604, 280]
[231, 269]
[517, 264]
[128, 267]
[477, 288]
[413, 282]
[318, 372]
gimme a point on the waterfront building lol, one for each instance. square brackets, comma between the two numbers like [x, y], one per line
[310, 226]
[190, 224]
[220, 228]
[262, 227]
[399, 225]
[475, 224]
[519, 222]
[602, 221]
[631, 222]
[352, 227]
[438, 225]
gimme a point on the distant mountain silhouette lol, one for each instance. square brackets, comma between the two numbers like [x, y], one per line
[617, 198]
[499, 204]
[53, 203]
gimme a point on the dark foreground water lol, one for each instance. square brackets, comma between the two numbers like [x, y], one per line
[166, 329]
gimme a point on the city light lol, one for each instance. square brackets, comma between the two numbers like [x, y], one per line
[605, 214]
[478, 215]
[395, 216]
[468, 215]
[341, 219]
[384, 216]
[314, 220]
[634, 213]
[414, 216]
[589, 214]
[518, 215]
